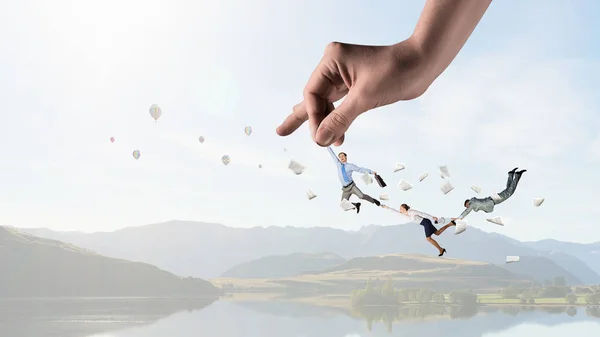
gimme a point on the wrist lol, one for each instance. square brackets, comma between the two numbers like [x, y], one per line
[416, 64]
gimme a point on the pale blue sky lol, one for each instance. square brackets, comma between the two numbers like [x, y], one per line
[522, 92]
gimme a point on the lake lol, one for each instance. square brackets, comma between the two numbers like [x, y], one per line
[193, 318]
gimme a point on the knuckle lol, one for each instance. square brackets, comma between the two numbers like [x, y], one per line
[340, 120]
[335, 49]
[298, 108]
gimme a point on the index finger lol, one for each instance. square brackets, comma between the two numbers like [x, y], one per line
[294, 120]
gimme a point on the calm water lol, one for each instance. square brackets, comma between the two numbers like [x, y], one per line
[116, 318]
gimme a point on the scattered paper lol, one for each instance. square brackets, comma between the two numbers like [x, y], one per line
[461, 226]
[404, 185]
[347, 205]
[384, 197]
[444, 172]
[446, 188]
[497, 220]
[311, 195]
[537, 202]
[367, 179]
[399, 167]
[423, 176]
[510, 259]
[296, 167]
[477, 189]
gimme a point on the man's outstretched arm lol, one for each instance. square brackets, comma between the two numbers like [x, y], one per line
[333, 155]
[352, 167]
[465, 213]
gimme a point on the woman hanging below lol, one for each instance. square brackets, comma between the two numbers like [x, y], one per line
[425, 220]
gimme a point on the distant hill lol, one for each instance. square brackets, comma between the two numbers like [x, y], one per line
[407, 271]
[587, 253]
[540, 269]
[36, 267]
[208, 250]
[284, 265]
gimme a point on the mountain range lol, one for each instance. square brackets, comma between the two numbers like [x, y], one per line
[33, 267]
[209, 250]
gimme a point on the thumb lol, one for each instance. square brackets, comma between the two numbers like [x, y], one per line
[338, 121]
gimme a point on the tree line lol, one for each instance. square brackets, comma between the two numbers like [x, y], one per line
[387, 294]
[557, 288]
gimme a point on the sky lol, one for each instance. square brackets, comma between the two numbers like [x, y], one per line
[522, 92]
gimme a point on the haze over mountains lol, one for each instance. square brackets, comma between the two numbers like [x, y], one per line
[34, 267]
[208, 250]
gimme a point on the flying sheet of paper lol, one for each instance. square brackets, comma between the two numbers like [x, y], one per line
[446, 188]
[384, 197]
[537, 202]
[296, 167]
[477, 189]
[423, 176]
[367, 179]
[399, 167]
[461, 226]
[347, 205]
[510, 259]
[444, 171]
[497, 220]
[311, 195]
[404, 185]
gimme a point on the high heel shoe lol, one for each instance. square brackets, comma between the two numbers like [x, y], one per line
[443, 251]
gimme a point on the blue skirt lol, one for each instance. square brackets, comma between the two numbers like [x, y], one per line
[429, 227]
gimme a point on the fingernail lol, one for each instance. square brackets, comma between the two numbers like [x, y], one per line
[325, 138]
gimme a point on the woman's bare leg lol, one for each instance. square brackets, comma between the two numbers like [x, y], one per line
[441, 230]
[435, 244]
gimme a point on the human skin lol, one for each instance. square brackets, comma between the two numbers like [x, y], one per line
[374, 76]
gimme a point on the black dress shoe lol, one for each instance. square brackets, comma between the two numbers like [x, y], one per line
[357, 205]
[513, 170]
[521, 172]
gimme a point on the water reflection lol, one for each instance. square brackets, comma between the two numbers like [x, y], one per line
[85, 317]
[115, 318]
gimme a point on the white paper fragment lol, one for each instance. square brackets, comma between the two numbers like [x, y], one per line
[510, 259]
[477, 189]
[444, 172]
[384, 197]
[404, 185]
[296, 167]
[461, 226]
[311, 195]
[446, 188]
[399, 167]
[537, 202]
[497, 220]
[367, 179]
[423, 176]
[347, 205]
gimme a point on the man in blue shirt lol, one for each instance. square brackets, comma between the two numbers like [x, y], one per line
[349, 188]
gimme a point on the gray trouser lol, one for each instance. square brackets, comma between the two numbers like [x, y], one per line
[353, 189]
[511, 186]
